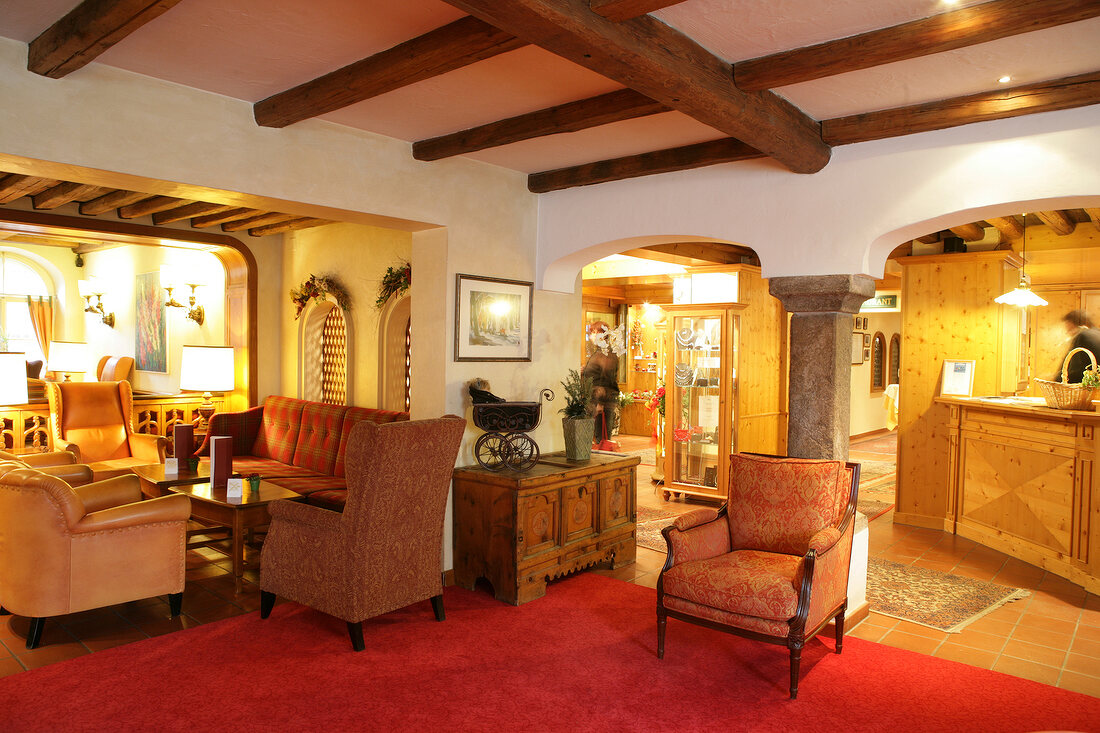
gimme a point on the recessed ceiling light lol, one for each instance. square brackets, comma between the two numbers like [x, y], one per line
[1004, 79]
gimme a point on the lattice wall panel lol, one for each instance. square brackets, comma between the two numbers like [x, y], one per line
[334, 360]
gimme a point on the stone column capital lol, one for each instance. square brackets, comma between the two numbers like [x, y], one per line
[822, 293]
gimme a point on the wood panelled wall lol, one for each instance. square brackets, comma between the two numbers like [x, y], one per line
[762, 374]
[949, 314]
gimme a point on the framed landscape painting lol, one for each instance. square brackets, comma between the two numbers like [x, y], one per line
[492, 319]
[151, 341]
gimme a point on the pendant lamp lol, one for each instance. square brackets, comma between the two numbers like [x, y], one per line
[1022, 295]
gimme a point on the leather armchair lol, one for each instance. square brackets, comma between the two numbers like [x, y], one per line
[64, 550]
[93, 420]
[114, 368]
[59, 463]
[772, 563]
[384, 551]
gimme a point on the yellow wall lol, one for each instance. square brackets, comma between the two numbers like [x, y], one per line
[867, 413]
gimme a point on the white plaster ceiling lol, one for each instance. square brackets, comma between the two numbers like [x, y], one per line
[251, 49]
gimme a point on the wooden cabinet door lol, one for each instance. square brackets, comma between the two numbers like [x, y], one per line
[579, 510]
[538, 516]
[616, 507]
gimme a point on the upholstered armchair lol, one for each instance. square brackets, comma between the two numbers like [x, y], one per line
[384, 551]
[94, 420]
[59, 463]
[114, 368]
[64, 550]
[772, 563]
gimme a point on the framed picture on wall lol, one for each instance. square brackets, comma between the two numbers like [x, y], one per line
[867, 339]
[151, 339]
[492, 319]
[958, 378]
[857, 348]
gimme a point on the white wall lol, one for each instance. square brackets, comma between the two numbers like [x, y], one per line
[847, 218]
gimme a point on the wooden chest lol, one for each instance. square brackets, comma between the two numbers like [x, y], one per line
[519, 530]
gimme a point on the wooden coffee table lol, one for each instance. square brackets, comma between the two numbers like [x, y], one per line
[211, 506]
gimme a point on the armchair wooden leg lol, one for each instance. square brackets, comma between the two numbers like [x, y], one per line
[355, 630]
[437, 606]
[796, 661]
[839, 621]
[4, 611]
[35, 634]
[175, 604]
[662, 622]
[267, 602]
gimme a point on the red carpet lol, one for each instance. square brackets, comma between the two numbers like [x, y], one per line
[582, 658]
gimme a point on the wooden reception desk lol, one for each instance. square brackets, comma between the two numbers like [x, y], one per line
[1022, 480]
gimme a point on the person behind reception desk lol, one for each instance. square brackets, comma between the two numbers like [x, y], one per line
[1083, 335]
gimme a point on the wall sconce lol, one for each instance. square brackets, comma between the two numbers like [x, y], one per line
[194, 312]
[92, 289]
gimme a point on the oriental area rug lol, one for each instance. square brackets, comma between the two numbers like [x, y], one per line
[932, 598]
[582, 658]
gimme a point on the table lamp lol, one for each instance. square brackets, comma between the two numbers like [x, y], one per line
[207, 369]
[13, 378]
[68, 357]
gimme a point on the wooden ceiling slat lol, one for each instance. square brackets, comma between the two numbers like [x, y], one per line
[1009, 226]
[271, 217]
[1060, 222]
[1048, 96]
[944, 32]
[149, 206]
[195, 208]
[624, 104]
[726, 150]
[451, 47]
[288, 226]
[662, 63]
[112, 200]
[16, 185]
[222, 217]
[1094, 216]
[620, 10]
[88, 30]
[969, 232]
[66, 192]
[722, 254]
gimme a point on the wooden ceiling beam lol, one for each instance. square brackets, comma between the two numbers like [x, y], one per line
[88, 30]
[721, 254]
[16, 185]
[451, 47]
[624, 104]
[66, 192]
[662, 63]
[944, 32]
[1009, 226]
[288, 226]
[648, 254]
[195, 208]
[1059, 221]
[112, 200]
[222, 217]
[1094, 216]
[969, 232]
[1047, 96]
[252, 222]
[620, 10]
[929, 238]
[726, 150]
[149, 206]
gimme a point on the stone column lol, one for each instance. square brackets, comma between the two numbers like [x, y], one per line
[820, 354]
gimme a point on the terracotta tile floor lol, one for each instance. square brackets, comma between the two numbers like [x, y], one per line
[1052, 637]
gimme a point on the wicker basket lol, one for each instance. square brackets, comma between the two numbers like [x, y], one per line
[1068, 396]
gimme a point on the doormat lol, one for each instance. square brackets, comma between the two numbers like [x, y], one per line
[877, 499]
[933, 598]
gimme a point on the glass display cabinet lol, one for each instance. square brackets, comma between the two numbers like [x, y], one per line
[700, 399]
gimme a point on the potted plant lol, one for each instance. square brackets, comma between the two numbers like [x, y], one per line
[578, 424]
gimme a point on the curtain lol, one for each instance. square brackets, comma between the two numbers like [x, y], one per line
[41, 311]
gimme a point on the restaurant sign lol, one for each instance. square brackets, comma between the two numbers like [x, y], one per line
[882, 302]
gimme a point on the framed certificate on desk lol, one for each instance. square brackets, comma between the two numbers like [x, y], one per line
[958, 378]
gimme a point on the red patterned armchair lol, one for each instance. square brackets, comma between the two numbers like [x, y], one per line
[772, 563]
[384, 551]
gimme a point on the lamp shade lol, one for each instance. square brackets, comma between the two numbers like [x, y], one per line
[13, 378]
[68, 356]
[207, 369]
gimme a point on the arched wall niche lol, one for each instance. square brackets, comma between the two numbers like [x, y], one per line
[392, 324]
[311, 327]
[236, 258]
